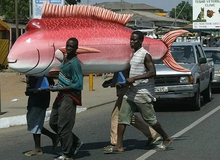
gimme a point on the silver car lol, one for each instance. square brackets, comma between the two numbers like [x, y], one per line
[214, 53]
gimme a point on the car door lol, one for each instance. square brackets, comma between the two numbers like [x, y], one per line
[204, 68]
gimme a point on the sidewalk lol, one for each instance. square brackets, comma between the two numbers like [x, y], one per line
[13, 112]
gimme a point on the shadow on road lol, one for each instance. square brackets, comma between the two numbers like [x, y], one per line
[129, 144]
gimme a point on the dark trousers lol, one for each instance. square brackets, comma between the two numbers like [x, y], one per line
[62, 120]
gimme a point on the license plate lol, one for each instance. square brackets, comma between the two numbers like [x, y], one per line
[161, 89]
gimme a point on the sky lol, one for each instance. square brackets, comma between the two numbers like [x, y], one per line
[166, 5]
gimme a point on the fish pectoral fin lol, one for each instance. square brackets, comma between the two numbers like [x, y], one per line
[82, 50]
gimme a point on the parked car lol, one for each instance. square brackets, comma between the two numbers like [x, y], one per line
[214, 53]
[172, 85]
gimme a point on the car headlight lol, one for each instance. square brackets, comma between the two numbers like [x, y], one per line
[184, 79]
[187, 79]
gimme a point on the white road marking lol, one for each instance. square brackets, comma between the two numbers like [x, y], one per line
[151, 152]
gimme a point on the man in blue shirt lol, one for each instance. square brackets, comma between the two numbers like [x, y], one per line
[70, 84]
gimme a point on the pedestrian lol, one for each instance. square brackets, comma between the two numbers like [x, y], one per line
[140, 93]
[136, 122]
[38, 102]
[70, 84]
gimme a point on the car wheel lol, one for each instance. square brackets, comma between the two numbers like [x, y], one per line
[195, 101]
[207, 95]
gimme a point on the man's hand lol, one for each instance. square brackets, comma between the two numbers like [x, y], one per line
[54, 88]
[37, 90]
[130, 80]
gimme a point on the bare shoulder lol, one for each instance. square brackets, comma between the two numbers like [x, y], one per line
[148, 58]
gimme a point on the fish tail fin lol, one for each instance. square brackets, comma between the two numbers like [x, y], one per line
[168, 59]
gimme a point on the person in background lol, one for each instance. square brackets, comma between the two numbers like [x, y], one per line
[38, 102]
[136, 122]
[188, 55]
[140, 94]
[70, 84]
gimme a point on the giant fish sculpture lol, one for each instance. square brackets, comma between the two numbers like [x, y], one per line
[104, 41]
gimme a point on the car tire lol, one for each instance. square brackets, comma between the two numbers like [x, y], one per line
[207, 95]
[196, 101]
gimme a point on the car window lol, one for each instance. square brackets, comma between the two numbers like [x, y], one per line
[214, 54]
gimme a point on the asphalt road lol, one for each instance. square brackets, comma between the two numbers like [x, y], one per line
[195, 133]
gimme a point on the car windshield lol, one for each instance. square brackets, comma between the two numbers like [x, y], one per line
[181, 54]
[214, 54]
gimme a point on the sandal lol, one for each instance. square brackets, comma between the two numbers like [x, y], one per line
[165, 144]
[33, 153]
[104, 148]
[111, 150]
[151, 141]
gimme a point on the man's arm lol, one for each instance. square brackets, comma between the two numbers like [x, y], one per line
[151, 71]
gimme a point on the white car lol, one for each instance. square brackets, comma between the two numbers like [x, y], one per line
[214, 53]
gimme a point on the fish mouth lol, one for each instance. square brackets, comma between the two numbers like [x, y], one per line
[38, 53]
[34, 70]
[13, 61]
[46, 67]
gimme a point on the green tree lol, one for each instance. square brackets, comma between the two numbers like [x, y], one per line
[7, 9]
[183, 11]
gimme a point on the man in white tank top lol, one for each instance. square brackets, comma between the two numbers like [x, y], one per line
[140, 94]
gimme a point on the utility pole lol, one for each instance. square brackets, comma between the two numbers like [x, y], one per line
[174, 22]
[16, 17]
[121, 5]
[175, 13]
[30, 9]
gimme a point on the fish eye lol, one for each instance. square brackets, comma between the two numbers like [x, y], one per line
[35, 24]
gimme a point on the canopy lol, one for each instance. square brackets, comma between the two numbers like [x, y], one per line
[3, 26]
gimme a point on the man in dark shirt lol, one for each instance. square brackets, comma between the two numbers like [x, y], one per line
[38, 102]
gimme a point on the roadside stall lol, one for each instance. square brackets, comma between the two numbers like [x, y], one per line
[4, 44]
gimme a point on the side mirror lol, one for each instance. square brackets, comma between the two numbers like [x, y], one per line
[202, 60]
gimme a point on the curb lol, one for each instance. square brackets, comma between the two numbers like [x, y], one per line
[21, 120]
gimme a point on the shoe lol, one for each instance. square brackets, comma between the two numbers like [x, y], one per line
[151, 141]
[79, 144]
[33, 153]
[63, 158]
[112, 150]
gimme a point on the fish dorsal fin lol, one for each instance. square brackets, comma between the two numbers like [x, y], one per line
[84, 11]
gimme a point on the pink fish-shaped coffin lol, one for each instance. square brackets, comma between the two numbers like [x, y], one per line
[104, 41]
